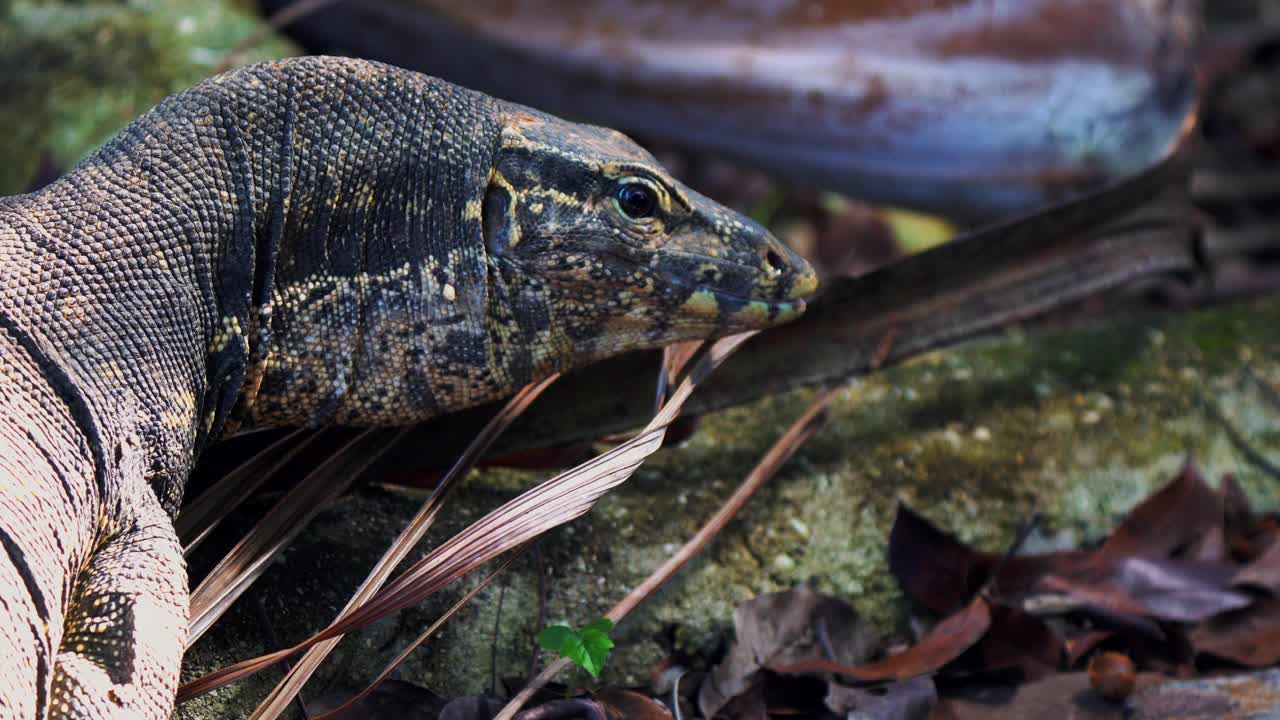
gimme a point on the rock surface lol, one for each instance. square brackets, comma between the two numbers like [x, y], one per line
[1076, 425]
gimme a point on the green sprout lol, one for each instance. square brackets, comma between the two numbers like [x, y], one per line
[588, 647]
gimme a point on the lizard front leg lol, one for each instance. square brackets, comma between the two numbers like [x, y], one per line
[93, 597]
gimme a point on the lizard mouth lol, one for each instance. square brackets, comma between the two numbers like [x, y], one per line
[754, 311]
[738, 311]
[781, 300]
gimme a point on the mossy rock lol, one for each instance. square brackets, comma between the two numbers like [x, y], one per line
[74, 73]
[1077, 426]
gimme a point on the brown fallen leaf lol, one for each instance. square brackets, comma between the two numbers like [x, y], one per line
[1155, 564]
[910, 699]
[1249, 637]
[1161, 589]
[1210, 547]
[1263, 572]
[1081, 645]
[630, 705]
[1019, 640]
[1246, 534]
[784, 627]
[1171, 519]
[1059, 595]
[941, 574]
[945, 642]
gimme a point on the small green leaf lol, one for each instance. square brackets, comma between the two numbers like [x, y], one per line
[596, 646]
[577, 652]
[553, 637]
[588, 648]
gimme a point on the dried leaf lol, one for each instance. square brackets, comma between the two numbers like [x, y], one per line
[945, 642]
[554, 502]
[622, 704]
[1130, 575]
[1263, 572]
[200, 516]
[1177, 591]
[1210, 547]
[1019, 640]
[1081, 645]
[1059, 595]
[1239, 521]
[1250, 637]
[1172, 519]
[936, 570]
[910, 699]
[940, 573]
[1163, 589]
[237, 571]
[781, 628]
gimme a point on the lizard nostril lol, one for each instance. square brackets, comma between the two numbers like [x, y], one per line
[773, 261]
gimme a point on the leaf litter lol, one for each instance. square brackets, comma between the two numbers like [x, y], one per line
[1011, 635]
[1008, 635]
[1188, 583]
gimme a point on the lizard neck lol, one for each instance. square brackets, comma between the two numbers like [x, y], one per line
[352, 267]
[289, 244]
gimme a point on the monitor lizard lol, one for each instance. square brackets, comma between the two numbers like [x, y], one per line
[305, 242]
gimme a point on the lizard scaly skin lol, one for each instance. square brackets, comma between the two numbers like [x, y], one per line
[310, 241]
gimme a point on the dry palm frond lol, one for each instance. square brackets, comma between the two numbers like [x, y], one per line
[550, 504]
[410, 536]
[251, 556]
[199, 517]
[426, 635]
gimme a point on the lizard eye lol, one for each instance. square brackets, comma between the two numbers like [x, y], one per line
[635, 198]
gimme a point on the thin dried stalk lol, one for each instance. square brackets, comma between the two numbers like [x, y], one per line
[251, 556]
[409, 537]
[781, 451]
[199, 517]
[426, 635]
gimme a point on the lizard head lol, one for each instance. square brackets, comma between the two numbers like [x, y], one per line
[598, 247]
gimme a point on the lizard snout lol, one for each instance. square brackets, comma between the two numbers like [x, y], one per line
[793, 276]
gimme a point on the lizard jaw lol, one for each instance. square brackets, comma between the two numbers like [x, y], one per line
[738, 312]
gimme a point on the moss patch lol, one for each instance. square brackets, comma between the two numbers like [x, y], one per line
[77, 72]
